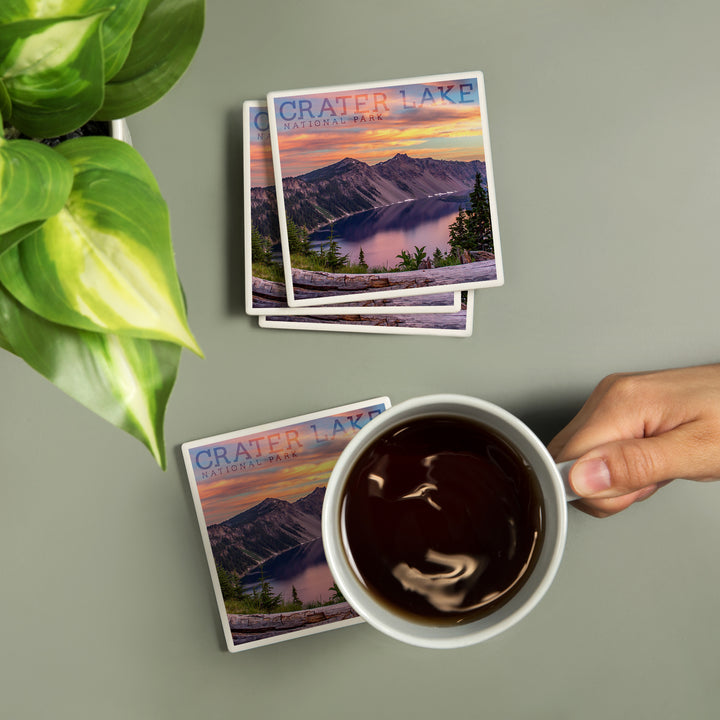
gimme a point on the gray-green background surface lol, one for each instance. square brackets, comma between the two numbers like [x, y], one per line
[604, 123]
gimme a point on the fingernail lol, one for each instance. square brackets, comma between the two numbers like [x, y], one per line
[590, 477]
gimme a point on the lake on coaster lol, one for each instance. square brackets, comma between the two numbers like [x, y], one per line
[383, 232]
[304, 567]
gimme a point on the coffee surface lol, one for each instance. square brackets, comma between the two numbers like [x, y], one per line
[443, 520]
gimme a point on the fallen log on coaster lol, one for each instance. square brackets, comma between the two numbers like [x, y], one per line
[309, 281]
[294, 620]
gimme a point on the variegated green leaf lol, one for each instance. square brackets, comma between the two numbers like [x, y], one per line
[35, 182]
[53, 73]
[12, 238]
[117, 30]
[5, 104]
[4, 342]
[113, 156]
[163, 46]
[104, 262]
[13, 10]
[125, 380]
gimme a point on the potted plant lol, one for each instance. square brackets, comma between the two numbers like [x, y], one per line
[89, 292]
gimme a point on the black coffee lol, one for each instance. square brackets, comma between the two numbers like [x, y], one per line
[443, 519]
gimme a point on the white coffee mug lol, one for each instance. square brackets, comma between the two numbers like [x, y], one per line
[552, 479]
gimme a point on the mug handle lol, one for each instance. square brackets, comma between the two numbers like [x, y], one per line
[564, 470]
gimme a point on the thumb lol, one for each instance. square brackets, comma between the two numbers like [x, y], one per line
[625, 466]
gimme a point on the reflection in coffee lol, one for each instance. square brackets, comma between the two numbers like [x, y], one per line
[442, 519]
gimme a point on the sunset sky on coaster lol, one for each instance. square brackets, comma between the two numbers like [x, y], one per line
[261, 167]
[439, 119]
[227, 489]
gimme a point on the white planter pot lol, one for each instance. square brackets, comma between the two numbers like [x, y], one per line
[120, 131]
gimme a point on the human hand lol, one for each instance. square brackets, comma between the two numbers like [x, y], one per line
[637, 432]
